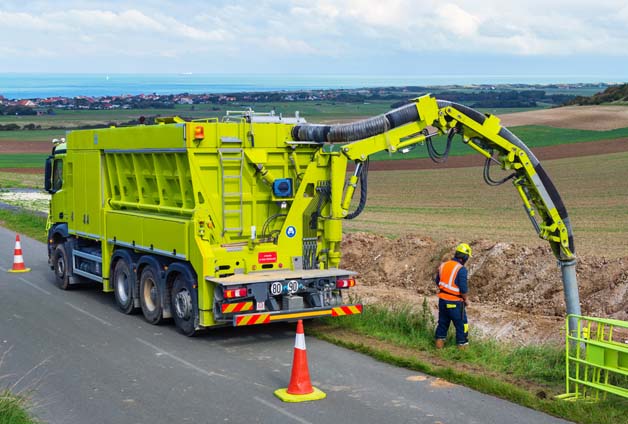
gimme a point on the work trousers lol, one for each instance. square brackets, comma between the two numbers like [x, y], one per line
[449, 311]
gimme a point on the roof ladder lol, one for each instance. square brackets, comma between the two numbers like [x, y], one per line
[231, 166]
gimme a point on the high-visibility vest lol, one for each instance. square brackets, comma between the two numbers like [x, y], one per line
[447, 273]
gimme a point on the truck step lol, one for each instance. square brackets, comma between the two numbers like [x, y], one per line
[233, 140]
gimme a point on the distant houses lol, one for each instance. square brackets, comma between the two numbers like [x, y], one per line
[26, 103]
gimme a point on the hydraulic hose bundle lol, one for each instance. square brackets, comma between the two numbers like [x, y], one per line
[437, 156]
[363, 176]
[487, 173]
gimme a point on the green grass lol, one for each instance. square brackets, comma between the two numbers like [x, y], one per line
[24, 222]
[529, 375]
[405, 327]
[13, 180]
[23, 160]
[34, 135]
[538, 135]
[13, 409]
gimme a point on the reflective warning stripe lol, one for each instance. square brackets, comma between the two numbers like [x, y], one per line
[300, 315]
[253, 319]
[450, 284]
[346, 310]
[265, 318]
[229, 308]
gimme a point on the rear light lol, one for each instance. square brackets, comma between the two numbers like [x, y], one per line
[343, 283]
[199, 133]
[233, 293]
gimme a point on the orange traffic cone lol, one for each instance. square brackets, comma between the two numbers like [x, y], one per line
[300, 388]
[18, 259]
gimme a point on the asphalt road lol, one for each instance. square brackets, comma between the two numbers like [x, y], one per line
[82, 362]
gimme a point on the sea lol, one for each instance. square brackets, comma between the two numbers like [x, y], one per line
[40, 85]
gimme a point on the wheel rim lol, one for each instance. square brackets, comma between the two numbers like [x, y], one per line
[60, 266]
[150, 294]
[183, 304]
[122, 287]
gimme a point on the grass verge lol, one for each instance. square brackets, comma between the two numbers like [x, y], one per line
[14, 180]
[24, 222]
[13, 409]
[529, 375]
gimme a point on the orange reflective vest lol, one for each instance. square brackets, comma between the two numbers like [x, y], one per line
[447, 273]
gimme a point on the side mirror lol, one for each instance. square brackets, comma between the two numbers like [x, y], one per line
[48, 175]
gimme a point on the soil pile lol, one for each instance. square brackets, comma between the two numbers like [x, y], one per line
[516, 291]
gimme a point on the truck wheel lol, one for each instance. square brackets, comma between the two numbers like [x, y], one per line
[61, 266]
[184, 311]
[150, 296]
[123, 285]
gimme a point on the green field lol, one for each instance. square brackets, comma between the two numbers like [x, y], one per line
[23, 160]
[34, 135]
[532, 135]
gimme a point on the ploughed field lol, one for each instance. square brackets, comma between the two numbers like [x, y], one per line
[417, 211]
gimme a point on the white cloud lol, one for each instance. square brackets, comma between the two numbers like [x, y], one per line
[273, 31]
[457, 20]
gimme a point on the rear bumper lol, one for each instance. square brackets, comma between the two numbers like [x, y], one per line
[268, 317]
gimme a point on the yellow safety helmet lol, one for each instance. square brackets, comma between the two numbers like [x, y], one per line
[464, 248]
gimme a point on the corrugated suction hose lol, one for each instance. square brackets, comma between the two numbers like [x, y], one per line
[343, 133]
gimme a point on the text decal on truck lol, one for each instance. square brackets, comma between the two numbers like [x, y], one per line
[266, 257]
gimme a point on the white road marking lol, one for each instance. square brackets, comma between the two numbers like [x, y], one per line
[183, 361]
[35, 286]
[281, 410]
[102, 321]
[3, 269]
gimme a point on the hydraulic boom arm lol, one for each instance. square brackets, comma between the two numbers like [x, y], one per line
[408, 125]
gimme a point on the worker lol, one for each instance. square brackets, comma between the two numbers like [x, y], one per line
[452, 283]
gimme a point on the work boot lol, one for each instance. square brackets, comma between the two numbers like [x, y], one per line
[440, 343]
[463, 346]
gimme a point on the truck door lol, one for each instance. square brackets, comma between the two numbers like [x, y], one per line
[88, 193]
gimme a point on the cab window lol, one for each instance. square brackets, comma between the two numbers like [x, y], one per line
[57, 175]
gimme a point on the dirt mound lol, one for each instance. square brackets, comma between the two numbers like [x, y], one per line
[515, 290]
[599, 118]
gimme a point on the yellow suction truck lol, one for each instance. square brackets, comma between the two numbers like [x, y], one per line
[239, 221]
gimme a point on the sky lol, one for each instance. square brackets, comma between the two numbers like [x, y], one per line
[367, 37]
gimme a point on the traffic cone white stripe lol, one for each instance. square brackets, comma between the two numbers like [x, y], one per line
[299, 342]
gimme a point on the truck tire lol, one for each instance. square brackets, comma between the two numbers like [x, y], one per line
[61, 266]
[150, 295]
[184, 310]
[123, 286]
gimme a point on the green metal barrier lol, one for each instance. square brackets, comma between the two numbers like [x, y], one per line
[596, 358]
